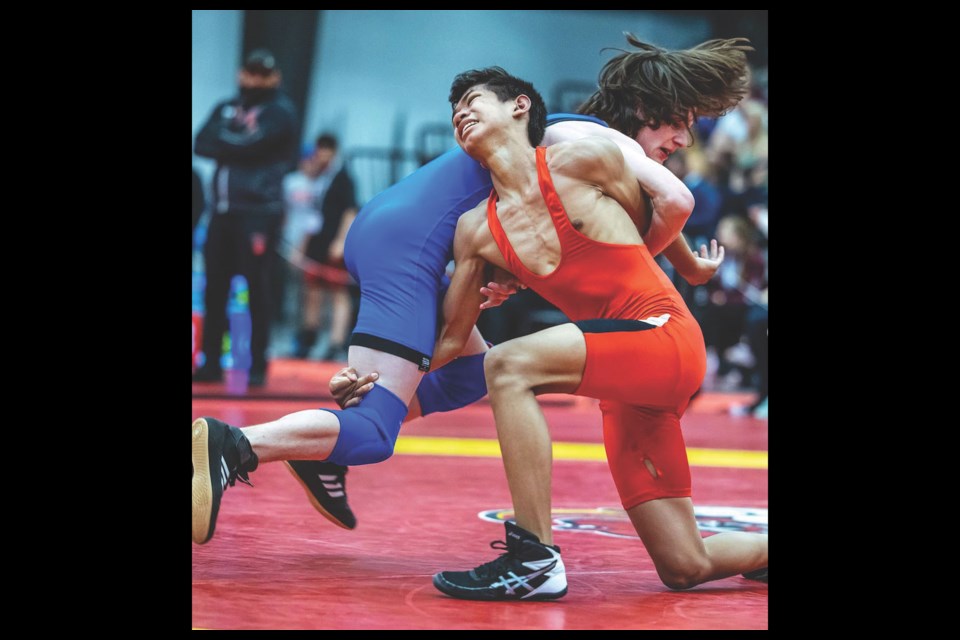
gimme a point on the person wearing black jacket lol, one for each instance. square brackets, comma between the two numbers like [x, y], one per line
[253, 138]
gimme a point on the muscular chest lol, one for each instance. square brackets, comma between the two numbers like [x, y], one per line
[530, 231]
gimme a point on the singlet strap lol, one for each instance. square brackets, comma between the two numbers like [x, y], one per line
[567, 235]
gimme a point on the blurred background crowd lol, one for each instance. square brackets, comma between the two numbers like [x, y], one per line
[362, 98]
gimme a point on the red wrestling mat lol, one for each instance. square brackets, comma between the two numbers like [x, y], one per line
[290, 379]
[274, 563]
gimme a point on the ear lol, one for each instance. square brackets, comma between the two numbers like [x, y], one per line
[522, 104]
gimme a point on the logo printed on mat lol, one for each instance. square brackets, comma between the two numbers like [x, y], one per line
[614, 522]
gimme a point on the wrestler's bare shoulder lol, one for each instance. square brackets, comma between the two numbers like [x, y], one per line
[586, 156]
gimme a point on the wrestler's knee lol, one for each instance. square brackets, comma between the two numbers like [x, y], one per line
[457, 384]
[368, 432]
[506, 367]
[682, 571]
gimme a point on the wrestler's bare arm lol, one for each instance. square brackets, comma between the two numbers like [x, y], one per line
[461, 305]
[671, 199]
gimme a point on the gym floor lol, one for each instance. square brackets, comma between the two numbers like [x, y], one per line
[275, 563]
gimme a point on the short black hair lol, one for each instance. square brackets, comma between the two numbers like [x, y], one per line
[505, 87]
[326, 141]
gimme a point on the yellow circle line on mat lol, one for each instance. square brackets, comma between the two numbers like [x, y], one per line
[486, 448]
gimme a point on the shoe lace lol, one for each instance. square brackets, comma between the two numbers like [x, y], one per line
[242, 476]
[237, 474]
[246, 460]
[497, 567]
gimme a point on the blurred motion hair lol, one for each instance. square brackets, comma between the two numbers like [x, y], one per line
[653, 86]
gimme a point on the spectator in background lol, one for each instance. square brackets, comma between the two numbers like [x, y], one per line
[757, 321]
[252, 136]
[756, 331]
[198, 199]
[740, 283]
[324, 273]
[302, 192]
[732, 309]
[691, 166]
[738, 150]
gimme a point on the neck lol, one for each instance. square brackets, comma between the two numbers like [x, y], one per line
[512, 165]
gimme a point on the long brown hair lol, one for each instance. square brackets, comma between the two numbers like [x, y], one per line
[652, 86]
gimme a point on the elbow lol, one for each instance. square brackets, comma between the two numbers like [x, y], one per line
[688, 202]
[684, 201]
[679, 205]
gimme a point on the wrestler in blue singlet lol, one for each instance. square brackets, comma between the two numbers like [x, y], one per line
[399, 246]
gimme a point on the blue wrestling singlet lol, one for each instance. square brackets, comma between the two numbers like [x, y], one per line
[399, 246]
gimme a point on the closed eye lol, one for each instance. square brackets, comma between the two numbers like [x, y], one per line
[469, 98]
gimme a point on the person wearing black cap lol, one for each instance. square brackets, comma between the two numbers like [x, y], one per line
[253, 138]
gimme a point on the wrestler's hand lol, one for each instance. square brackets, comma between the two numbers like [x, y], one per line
[505, 285]
[707, 263]
[496, 294]
[348, 388]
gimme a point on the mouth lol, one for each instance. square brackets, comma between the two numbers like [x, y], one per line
[465, 125]
[665, 153]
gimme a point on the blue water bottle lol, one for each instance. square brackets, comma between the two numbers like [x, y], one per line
[238, 313]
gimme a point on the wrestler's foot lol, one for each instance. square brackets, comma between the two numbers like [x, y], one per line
[221, 455]
[529, 570]
[326, 487]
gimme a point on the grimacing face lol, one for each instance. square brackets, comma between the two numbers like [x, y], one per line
[479, 106]
[659, 143]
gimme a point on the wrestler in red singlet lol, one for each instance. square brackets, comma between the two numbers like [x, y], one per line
[645, 351]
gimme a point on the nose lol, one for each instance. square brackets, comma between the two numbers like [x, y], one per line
[682, 137]
[458, 116]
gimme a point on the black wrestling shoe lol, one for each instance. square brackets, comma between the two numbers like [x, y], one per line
[529, 570]
[760, 575]
[221, 455]
[326, 487]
